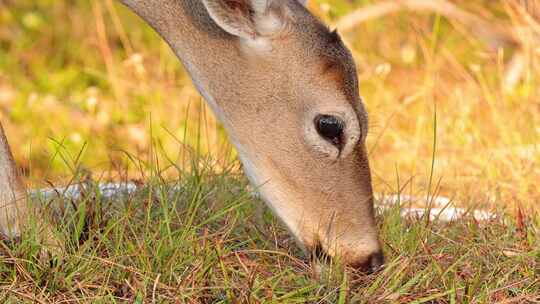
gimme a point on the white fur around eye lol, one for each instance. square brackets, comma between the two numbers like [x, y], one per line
[317, 144]
[320, 146]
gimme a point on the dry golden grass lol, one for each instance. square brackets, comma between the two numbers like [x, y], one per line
[91, 72]
[485, 140]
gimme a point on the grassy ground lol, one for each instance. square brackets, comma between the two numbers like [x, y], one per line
[85, 85]
[201, 244]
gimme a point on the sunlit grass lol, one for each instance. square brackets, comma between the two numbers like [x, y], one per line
[68, 72]
[86, 86]
[195, 240]
[487, 136]
[92, 74]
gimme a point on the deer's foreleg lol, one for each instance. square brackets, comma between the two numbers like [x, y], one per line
[13, 202]
[16, 212]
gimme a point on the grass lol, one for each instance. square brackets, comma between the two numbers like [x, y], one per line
[85, 86]
[195, 240]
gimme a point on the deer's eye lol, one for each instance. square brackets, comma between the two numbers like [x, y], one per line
[330, 128]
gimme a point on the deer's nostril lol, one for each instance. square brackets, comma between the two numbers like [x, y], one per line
[376, 261]
[372, 264]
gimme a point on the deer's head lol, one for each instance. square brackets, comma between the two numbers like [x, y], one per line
[286, 88]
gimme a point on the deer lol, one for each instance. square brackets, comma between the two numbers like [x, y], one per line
[285, 88]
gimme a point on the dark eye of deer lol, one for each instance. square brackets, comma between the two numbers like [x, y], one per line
[330, 128]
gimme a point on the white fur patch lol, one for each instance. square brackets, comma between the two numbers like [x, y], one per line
[268, 24]
[257, 45]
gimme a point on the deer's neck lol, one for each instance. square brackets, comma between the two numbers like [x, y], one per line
[216, 64]
[206, 51]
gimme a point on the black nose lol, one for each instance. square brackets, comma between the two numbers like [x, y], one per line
[376, 261]
[373, 263]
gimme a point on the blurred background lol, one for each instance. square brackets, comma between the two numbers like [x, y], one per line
[451, 88]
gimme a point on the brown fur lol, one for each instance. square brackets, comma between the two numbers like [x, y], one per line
[264, 96]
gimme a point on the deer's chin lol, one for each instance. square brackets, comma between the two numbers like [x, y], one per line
[283, 199]
[278, 197]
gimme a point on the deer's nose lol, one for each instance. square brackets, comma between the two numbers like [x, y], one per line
[376, 261]
[372, 264]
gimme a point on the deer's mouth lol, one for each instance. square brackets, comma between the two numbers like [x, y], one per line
[372, 264]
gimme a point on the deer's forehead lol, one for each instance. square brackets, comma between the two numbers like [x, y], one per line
[340, 70]
[335, 60]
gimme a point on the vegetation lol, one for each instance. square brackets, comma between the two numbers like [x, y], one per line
[85, 86]
[201, 244]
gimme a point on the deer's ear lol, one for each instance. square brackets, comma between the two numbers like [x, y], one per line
[245, 18]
